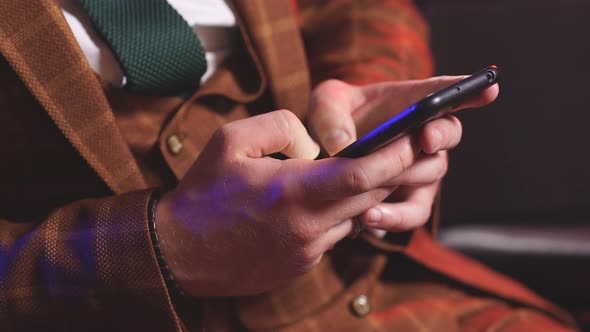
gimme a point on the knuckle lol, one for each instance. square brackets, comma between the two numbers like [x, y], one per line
[357, 181]
[283, 119]
[286, 117]
[450, 130]
[404, 158]
[397, 220]
[287, 122]
[398, 162]
[310, 256]
[305, 259]
[307, 232]
[224, 136]
[443, 136]
[402, 220]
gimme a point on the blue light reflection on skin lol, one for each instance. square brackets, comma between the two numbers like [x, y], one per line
[218, 197]
[258, 201]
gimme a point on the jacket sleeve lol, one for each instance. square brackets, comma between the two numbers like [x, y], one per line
[365, 41]
[88, 266]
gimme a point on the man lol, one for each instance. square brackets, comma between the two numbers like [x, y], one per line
[235, 240]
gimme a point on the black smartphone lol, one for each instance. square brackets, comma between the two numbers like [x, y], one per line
[434, 106]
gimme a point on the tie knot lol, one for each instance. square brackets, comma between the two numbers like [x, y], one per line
[157, 49]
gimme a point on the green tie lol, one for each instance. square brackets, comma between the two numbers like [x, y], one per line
[158, 50]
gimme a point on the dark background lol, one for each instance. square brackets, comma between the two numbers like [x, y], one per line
[521, 174]
[526, 156]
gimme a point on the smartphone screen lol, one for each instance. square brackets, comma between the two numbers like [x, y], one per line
[432, 107]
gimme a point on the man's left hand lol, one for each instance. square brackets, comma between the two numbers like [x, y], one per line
[339, 111]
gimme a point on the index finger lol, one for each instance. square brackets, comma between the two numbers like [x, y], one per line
[338, 178]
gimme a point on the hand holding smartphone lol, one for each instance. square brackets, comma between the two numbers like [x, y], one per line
[432, 107]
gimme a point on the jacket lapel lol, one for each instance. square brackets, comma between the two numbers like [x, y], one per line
[275, 35]
[37, 42]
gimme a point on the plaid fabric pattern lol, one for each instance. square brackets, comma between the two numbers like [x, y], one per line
[75, 252]
[406, 292]
[42, 55]
[270, 24]
[369, 41]
[88, 266]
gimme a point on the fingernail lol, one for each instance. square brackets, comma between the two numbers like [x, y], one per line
[374, 216]
[336, 140]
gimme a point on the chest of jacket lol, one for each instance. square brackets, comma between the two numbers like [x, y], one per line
[66, 137]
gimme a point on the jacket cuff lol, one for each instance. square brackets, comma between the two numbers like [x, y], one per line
[140, 298]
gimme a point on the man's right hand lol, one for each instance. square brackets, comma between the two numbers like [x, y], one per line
[242, 223]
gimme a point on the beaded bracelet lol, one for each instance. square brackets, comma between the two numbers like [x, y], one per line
[173, 286]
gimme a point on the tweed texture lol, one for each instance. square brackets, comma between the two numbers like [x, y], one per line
[47, 58]
[88, 266]
[74, 245]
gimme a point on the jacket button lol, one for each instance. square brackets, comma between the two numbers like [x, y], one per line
[360, 306]
[174, 144]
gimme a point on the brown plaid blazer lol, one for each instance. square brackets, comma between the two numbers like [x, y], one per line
[79, 157]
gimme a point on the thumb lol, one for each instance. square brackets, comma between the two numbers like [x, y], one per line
[330, 115]
[265, 134]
